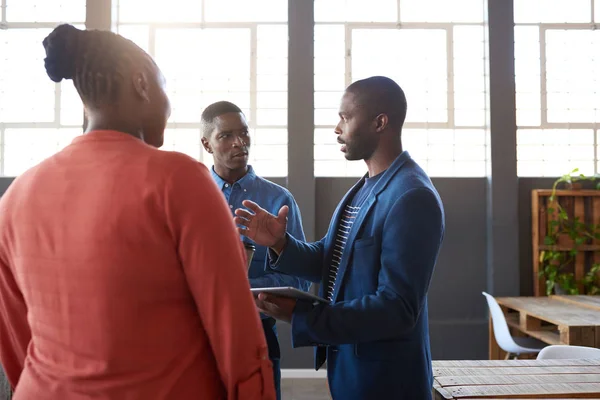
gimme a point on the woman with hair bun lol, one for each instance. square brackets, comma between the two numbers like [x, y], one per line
[121, 274]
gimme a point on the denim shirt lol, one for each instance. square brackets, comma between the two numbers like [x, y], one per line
[271, 197]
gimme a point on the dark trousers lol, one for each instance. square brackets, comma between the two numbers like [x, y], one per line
[274, 351]
[277, 377]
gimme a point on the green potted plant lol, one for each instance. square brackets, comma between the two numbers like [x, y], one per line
[555, 261]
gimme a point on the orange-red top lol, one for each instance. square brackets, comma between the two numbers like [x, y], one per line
[122, 277]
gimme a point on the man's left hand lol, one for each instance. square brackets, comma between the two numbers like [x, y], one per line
[278, 307]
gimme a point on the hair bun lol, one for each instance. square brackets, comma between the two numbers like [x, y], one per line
[61, 47]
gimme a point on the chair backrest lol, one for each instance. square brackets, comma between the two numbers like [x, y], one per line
[501, 331]
[564, 352]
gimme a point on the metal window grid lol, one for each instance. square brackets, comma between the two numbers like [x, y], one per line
[115, 23]
[448, 28]
[544, 124]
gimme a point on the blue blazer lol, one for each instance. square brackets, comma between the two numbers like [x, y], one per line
[375, 334]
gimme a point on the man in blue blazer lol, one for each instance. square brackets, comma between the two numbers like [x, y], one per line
[374, 265]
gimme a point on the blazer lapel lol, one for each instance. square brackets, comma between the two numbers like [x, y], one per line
[332, 233]
[360, 219]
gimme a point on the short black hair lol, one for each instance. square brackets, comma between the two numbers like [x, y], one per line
[213, 111]
[93, 59]
[381, 95]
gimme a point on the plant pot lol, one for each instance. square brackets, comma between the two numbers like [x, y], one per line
[574, 186]
[558, 290]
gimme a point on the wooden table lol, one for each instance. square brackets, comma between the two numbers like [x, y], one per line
[516, 379]
[573, 320]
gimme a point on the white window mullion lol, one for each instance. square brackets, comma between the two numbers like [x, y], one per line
[348, 56]
[152, 40]
[57, 102]
[543, 80]
[399, 16]
[450, 66]
[1, 151]
[203, 12]
[595, 151]
[253, 76]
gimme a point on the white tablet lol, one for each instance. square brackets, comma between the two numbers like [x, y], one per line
[289, 292]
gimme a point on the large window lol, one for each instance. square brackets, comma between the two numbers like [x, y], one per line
[434, 49]
[213, 50]
[557, 68]
[37, 116]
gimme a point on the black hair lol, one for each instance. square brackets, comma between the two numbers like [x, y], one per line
[213, 111]
[381, 95]
[93, 59]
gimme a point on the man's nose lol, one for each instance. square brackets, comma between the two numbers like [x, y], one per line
[239, 141]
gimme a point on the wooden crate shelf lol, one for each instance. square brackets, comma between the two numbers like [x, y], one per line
[581, 204]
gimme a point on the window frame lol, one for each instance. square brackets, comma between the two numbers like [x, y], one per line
[56, 124]
[448, 27]
[543, 28]
[253, 27]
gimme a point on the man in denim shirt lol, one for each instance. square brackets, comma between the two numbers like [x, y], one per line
[226, 137]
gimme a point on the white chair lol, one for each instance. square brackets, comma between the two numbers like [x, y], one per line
[511, 345]
[565, 352]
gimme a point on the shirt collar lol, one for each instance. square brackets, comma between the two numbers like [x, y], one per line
[245, 181]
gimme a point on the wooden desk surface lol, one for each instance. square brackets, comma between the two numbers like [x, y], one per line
[573, 320]
[517, 379]
[561, 311]
[592, 302]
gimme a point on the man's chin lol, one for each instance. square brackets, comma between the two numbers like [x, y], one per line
[237, 163]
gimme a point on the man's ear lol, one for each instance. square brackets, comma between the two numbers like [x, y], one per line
[141, 86]
[381, 122]
[206, 145]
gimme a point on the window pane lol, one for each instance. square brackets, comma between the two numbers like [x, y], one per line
[329, 41]
[24, 148]
[271, 168]
[185, 141]
[71, 107]
[426, 89]
[326, 116]
[158, 11]
[26, 92]
[266, 136]
[45, 11]
[272, 47]
[461, 152]
[245, 11]
[272, 100]
[330, 61]
[442, 152]
[572, 73]
[356, 11]
[552, 11]
[325, 136]
[272, 66]
[554, 152]
[139, 34]
[192, 82]
[469, 76]
[216, 66]
[527, 75]
[442, 11]
[339, 168]
[328, 100]
[271, 117]
[272, 82]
